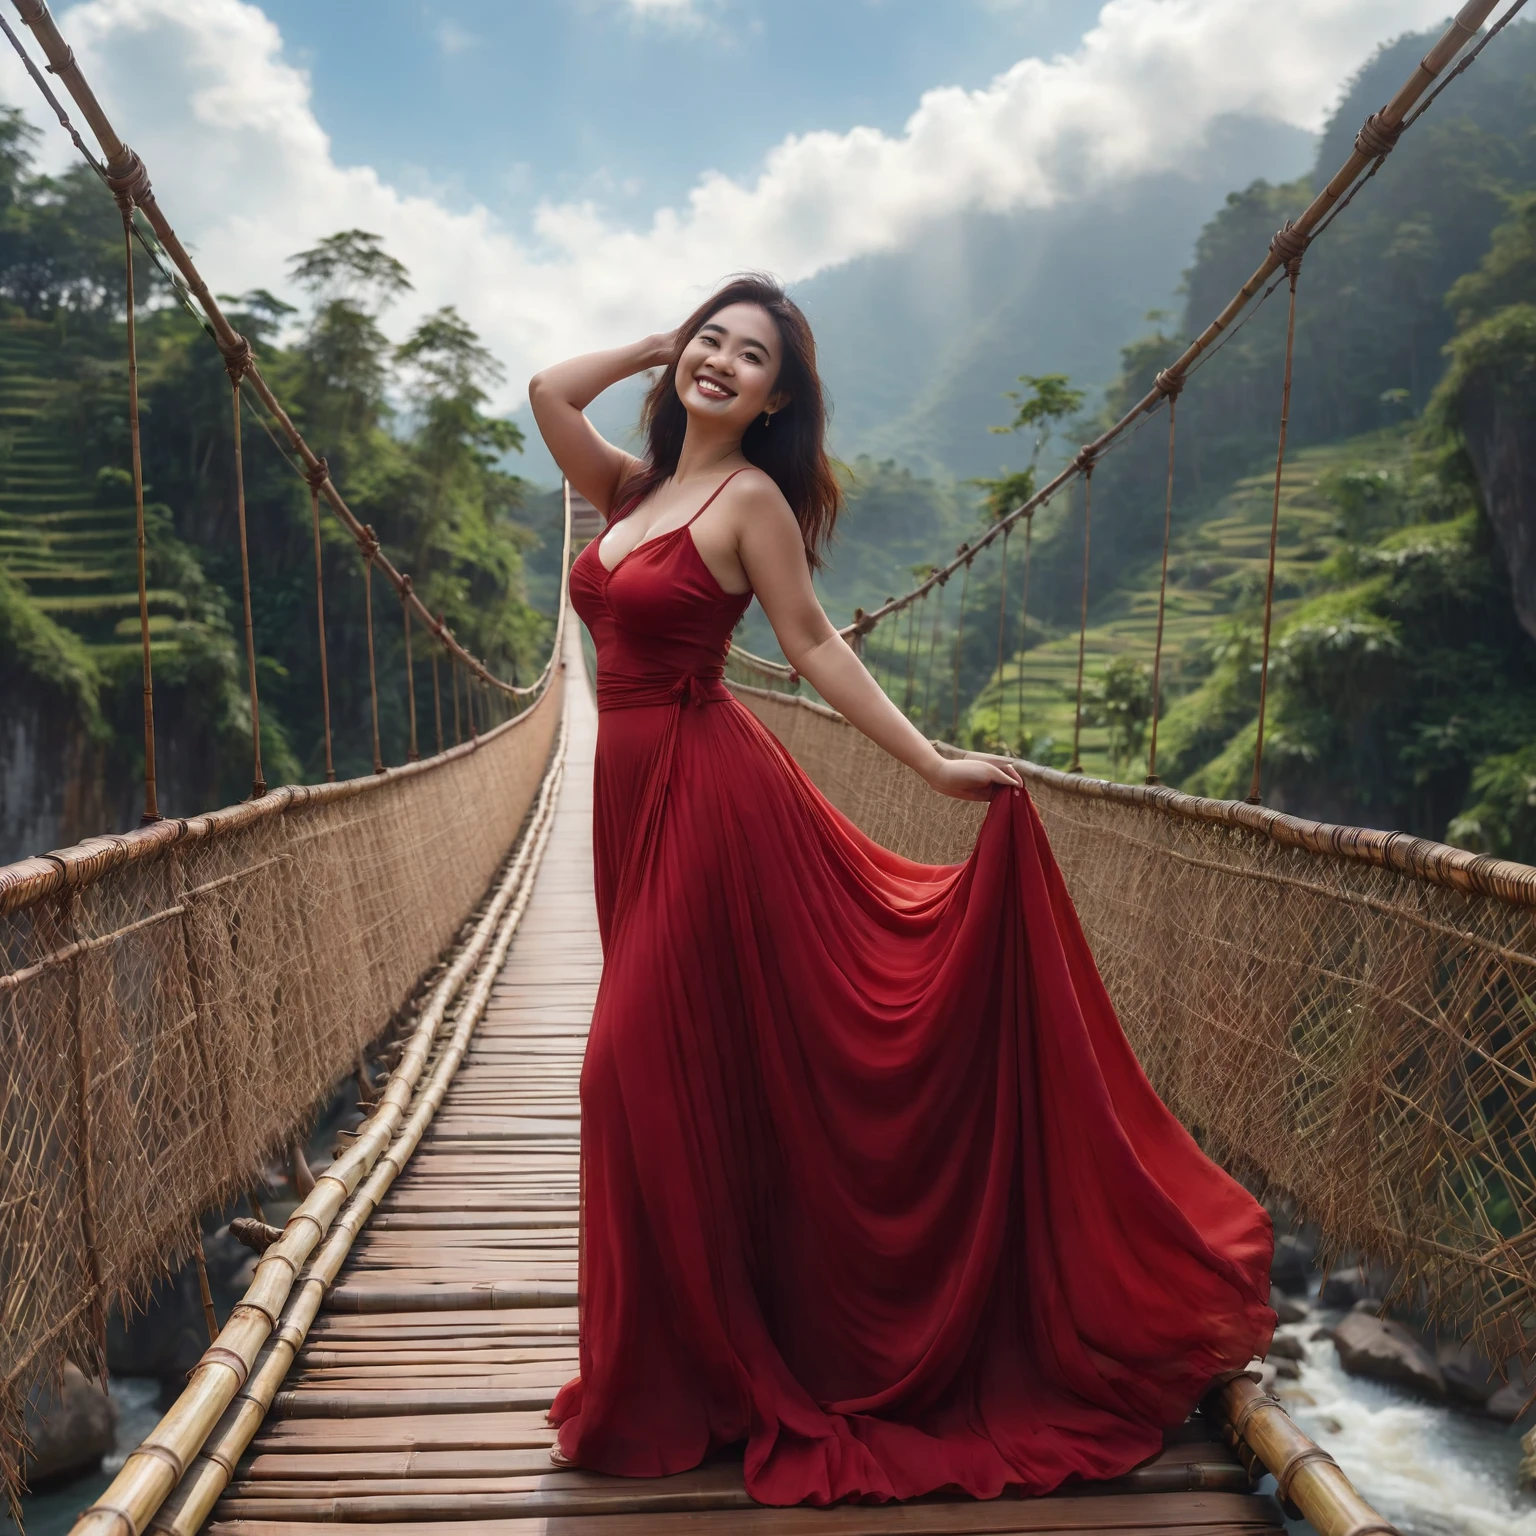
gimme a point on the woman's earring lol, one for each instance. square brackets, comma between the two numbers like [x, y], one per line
[767, 418]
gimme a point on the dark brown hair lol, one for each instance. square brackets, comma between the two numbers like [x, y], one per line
[792, 451]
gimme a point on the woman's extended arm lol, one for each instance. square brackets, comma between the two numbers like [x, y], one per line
[773, 556]
[559, 395]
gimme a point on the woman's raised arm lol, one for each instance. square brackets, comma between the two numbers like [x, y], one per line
[559, 395]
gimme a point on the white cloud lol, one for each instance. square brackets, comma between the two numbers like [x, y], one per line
[202, 89]
[452, 38]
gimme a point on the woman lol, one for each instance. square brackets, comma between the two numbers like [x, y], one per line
[870, 1177]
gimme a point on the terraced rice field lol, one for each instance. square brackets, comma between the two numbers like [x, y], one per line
[69, 544]
[1211, 566]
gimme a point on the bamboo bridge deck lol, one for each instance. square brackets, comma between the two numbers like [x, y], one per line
[419, 1398]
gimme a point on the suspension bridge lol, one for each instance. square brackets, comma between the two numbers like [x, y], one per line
[1341, 1013]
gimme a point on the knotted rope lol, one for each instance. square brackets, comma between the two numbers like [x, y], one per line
[1378, 138]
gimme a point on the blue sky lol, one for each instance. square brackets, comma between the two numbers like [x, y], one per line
[483, 101]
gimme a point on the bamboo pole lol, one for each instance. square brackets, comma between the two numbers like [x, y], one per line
[153, 1470]
[207, 1477]
[1309, 1481]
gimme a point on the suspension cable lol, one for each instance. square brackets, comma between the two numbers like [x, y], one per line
[965, 586]
[1082, 630]
[236, 360]
[1294, 244]
[1029, 528]
[370, 549]
[124, 193]
[316, 478]
[1162, 589]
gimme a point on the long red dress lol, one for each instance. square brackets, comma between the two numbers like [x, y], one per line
[872, 1180]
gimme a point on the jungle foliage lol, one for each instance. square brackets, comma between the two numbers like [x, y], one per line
[406, 431]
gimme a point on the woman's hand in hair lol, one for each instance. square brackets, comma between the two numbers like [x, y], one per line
[663, 348]
[560, 395]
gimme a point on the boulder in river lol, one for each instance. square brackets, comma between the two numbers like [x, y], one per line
[69, 1427]
[1469, 1376]
[1528, 1461]
[1286, 1346]
[1286, 1310]
[1382, 1350]
[1291, 1269]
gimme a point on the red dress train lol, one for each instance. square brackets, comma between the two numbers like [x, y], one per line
[872, 1180]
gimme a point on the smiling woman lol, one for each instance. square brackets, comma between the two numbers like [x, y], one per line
[763, 388]
[871, 1179]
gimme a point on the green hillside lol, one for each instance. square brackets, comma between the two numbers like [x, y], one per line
[1216, 573]
[65, 536]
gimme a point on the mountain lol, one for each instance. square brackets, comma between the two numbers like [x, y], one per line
[917, 346]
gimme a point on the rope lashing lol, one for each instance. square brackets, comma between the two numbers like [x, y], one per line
[124, 189]
[368, 544]
[437, 692]
[1377, 138]
[317, 474]
[237, 358]
[1084, 463]
[1290, 246]
[860, 629]
[127, 179]
[1172, 385]
[965, 587]
[411, 754]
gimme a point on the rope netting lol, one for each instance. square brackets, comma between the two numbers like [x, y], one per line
[174, 1002]
[1346, 1017]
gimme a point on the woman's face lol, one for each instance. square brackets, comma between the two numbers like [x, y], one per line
[729, 371]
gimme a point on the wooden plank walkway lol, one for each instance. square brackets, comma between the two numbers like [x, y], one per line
[418, 1401]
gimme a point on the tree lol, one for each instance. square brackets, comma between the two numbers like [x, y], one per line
[1121, 701]
[1050, 399]
[352, 280]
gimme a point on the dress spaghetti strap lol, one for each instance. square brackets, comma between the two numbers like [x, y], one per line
[705, 508]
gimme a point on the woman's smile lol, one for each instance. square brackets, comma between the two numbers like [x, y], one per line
[712, 388]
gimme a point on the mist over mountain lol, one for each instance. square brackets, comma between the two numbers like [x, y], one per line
[918, 346]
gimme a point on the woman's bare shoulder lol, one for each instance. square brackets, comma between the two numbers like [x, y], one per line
[755, 492]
